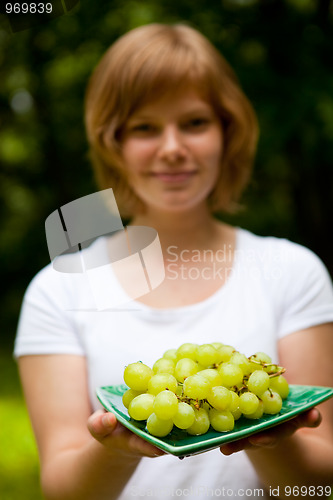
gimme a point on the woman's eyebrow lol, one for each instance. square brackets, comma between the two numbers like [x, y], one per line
[140, 117]
[198, 110]
[182, 114]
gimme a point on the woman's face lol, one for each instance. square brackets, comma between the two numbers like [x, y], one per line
[172, 148]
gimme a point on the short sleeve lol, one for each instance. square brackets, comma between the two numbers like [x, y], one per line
[45, 324]
[306, 297]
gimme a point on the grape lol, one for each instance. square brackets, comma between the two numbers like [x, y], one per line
[217, 345]
[225, 352]
[187, 350]
[184, 417]
[280, 385]
[137, 376]
[165, 405]
[164, 365]
[248, 403]
[272, 402]
[221, 421]
[141, 406]
[230, 374]
[271, 368]
[220, 397]
[201, 423]
[205, 405]
[196, 387]
[171, 354]
[128, 396]
[207, 355]
[158, 427]
[234, 405]
[179, 391]
[256, 414]
[258, 382]
[236, 413]
[160, 382]
[262, 357]
[184, 368]
[212, 376]
[255, 367]
[241, 360]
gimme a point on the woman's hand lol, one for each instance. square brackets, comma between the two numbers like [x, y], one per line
[105, 428]
[272, 437]
[83, 455]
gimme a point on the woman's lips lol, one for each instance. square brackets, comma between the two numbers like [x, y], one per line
[174, 177]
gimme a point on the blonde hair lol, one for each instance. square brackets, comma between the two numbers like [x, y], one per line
[146, 63]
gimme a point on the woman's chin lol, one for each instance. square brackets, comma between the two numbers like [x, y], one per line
[175, 208]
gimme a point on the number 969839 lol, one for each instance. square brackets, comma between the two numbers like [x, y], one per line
[28, 8]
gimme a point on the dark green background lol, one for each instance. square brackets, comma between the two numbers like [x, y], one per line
[282, 52]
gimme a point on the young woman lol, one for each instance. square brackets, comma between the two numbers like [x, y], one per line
[174, 136]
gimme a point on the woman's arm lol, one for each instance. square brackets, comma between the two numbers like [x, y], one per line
[82, 456]
[282, 457]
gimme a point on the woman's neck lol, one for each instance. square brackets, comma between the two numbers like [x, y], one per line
[188, 230]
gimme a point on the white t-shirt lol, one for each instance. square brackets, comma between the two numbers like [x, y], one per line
[275, 288]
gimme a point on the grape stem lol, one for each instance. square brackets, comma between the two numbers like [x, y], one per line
[241, 389]
[265, 365]
[276, 374]
[195, 402]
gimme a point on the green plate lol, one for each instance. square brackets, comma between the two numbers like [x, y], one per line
[181, 444]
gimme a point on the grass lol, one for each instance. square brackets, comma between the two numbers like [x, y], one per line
[19, 468]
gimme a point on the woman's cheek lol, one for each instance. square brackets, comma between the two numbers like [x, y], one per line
[139, 153]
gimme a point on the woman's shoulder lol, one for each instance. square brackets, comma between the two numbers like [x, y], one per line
[290, 258]
[64, 279]
[273, 246]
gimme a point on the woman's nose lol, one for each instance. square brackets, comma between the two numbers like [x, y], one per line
[172, 147]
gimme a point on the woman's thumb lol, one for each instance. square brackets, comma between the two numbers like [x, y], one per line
[101, 424]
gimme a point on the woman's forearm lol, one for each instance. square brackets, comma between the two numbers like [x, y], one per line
[303, 459]
[86, 473]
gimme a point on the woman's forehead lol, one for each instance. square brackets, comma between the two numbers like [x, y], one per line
[185, 99]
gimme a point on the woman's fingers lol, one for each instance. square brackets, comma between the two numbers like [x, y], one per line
[138, 445]
[129, 443]
[239, 445]
[311, 418]
[101, 424]
[271, 437]
[105, 428]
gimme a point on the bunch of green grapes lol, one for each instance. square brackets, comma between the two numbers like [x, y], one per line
[196, 387]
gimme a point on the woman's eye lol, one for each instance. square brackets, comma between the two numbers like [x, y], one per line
[143, 127]
[197, 122]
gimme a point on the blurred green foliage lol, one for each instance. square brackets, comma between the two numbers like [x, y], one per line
[282, 52]
[19, 469]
